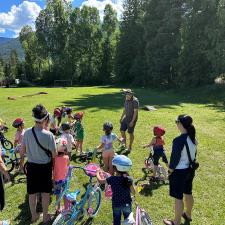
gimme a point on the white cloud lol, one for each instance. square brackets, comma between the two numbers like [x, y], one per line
[100, 5]
[19, 16]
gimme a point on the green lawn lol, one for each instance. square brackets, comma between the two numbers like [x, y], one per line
[205, 105]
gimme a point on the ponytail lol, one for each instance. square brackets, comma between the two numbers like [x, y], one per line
[191, 133]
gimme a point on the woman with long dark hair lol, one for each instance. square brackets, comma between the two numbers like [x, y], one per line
[181, 176]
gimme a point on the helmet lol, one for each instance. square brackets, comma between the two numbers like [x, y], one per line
[57, 112]
[17, 122]
[159, 131]
[78, 115]
[107, 126]
[65, 126]
[68, 110]
[122, 163]
[61, 144]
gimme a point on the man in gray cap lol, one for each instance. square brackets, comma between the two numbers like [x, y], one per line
[129, 116]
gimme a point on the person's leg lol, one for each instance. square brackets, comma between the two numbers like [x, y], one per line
[45, 204]
[189, 202]
[123, 135]
[81, 146]
[179, 207]
[117, 216]
[32, 205]
[110, 162]
[131, 141]
[126, 211]
[105, 157]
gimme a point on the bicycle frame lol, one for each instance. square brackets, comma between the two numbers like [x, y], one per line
[77, 207]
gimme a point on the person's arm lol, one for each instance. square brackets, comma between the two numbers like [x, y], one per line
[100, 179]
[3, 169]
[132, 190]
[178, 145]
[122, 116]
[52, 145]
[151, 143]
[134, 118]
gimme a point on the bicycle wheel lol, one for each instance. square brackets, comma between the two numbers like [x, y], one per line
[64, 218]
[8, 163]
[7, 144]
[94, 202]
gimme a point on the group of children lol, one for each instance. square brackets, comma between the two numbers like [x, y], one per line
[69, 133]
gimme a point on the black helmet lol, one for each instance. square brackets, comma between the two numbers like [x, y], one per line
[107, 126]
[65, 126]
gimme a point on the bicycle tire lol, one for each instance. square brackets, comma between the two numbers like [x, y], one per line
[97, 194]
[64, 219]
[8, 163]
[7, 144]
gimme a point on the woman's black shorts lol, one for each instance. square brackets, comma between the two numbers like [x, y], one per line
[39, 178]
[181, 183]
[2, 193]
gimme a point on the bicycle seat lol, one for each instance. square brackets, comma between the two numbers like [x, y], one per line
[72, 196]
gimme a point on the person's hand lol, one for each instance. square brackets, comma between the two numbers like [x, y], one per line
[131, 124]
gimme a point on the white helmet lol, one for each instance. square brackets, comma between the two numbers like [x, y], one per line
[122, 163]
[61, 144]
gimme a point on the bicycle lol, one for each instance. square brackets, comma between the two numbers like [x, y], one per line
[76, 210]
[161, 173]
[91, 156]
[11, 160]
[6, 144]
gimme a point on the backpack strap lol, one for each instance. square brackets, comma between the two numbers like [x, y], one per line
[47, 152]
[189, 154]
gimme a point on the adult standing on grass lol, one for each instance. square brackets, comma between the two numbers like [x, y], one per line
[129, 116]
[181, 175]
[40, 147]
[3, 171]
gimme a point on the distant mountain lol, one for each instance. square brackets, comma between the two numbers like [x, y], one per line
[7, 45]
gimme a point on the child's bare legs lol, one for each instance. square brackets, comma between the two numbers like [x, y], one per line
[110, 162]
[80, 146]
[21, 162]
[57, 208]
[106, 163]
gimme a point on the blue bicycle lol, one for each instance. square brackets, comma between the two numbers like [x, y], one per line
[89, 203]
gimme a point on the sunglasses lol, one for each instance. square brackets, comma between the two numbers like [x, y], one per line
[177, 121]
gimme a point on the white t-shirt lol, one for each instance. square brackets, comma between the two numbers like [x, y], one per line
[70, 141]
[108, 141]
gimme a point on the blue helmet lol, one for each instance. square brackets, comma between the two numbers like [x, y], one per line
[122, 163]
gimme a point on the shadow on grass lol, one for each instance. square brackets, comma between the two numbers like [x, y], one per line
[211, 96]
[23, 217]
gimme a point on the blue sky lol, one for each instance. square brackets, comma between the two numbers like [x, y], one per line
[14, 14]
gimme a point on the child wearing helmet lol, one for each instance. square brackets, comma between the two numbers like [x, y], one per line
[55, 120]
[65, 127]
[67, 114]
[79, 131]
[122, 187]
[60, 169]
[18, 123]
[157, 143]
[107, 145]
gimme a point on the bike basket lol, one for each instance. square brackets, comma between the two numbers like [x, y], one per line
[91, 169]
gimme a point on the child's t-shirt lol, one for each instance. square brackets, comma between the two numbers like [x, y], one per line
[60, 169]
[19, 137]
[159, 143]
[79, 131]
[108, 140]
[120, 191]
[70, 141]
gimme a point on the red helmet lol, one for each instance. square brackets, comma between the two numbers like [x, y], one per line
[57, 112]
[17, 122]
[78, 115]
[159, 131]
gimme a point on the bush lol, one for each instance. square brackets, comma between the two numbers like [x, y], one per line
[25, 83]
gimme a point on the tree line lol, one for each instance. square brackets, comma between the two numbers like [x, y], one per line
[171, 43]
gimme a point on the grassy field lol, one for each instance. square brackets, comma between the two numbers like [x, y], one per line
[205, 105]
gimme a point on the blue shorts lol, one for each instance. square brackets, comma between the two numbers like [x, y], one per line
[181, 183]
[59, 186]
